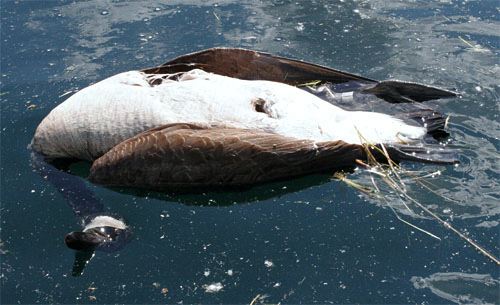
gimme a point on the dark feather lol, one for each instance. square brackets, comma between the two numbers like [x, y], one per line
[186, 155]
[189, 155]
[254, 65]
[405, 92]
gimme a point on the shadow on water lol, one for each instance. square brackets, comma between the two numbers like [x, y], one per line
[189, 197]
[200, 196]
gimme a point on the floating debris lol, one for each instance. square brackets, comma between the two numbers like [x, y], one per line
[257, 297]
[268, 263]
[91, 288]
[216, 17]
[213, 288]
[476, 47]
[313, 83]
[66, 93]
[391, 174]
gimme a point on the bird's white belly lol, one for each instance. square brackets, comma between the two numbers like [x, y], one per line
[100, 116]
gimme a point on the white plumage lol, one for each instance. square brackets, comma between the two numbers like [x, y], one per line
[102, 115]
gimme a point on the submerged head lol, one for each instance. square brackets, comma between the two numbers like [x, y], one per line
[101, 233]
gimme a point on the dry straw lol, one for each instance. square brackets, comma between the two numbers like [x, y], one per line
[393, 176]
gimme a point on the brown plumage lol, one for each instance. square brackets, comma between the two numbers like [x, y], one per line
[188, 155]
[254, 65]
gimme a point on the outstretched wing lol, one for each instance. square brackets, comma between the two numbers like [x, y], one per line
[254, 65]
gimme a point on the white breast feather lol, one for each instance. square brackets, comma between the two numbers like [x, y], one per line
[100, 116]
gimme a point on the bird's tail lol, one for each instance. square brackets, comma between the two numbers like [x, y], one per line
[432, 148]
[433, 121]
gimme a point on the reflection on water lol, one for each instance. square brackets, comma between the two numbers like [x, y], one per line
[461, 288]
[319, 242]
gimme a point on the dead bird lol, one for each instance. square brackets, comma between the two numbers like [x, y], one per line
[229, 117]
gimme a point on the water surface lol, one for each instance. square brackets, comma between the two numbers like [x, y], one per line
[302, 241]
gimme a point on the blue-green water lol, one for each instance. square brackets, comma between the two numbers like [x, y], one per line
[306, 241]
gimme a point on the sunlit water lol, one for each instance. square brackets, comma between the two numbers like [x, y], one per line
[309, 241]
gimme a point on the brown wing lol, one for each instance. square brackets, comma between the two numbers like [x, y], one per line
[254, 65]
[186, 155]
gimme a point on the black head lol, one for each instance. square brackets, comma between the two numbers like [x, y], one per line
[104, 238]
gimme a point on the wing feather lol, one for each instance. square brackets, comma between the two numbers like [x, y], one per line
[187, 155]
